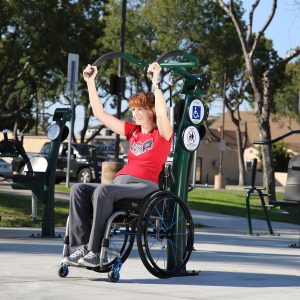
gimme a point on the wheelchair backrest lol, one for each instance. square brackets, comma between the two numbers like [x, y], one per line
[165, 177]
[292, 188]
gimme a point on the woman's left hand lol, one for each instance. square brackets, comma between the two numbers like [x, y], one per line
[155, 68]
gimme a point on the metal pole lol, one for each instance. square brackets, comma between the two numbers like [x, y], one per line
[120, 72]
[222, 129]
[180, 185]
[71, 125]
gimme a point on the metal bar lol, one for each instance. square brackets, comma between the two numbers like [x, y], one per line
[262, 200]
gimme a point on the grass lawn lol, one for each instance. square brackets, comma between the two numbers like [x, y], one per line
[62, 188]
[15, 211]
[231, 202]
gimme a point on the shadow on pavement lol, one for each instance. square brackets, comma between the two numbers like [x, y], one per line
[228, 279]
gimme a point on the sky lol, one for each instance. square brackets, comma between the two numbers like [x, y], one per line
[284, 30]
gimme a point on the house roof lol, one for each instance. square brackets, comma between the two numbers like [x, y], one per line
[279, 125]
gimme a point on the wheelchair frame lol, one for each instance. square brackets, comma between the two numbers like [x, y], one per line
[155, 225]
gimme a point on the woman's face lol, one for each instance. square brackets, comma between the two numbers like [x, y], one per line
[142, 116]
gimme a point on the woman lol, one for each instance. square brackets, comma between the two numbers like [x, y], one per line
[149, 139]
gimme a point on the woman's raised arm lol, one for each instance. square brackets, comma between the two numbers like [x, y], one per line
[105, 118]
[163, 123]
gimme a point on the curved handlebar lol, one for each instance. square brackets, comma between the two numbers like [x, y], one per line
[188, 64]
[270, 142]
[122, 55]
[176, 66]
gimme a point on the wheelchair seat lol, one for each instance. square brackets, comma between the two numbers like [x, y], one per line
[131, 204]
[135, 205]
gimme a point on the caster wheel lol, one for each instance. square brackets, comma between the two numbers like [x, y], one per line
[63, 271]
[113, 276]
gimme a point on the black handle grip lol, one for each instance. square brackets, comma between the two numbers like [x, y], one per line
[150, 75]
[165, 56]
[88, 74]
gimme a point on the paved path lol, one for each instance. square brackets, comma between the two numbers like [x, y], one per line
[233, 265]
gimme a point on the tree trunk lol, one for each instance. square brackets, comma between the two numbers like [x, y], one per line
[267, 155]
[263, 120]
[240, 151]
[240, 144]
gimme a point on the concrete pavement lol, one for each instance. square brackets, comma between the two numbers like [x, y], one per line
[233, 266]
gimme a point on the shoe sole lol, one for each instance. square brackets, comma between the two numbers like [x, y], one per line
[70, 263]
[87, 264]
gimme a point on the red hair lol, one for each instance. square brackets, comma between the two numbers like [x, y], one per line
[142, 99]
[145, 100]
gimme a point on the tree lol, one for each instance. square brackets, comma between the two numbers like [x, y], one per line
[202, 28]
[287, 97]
[280, 155]
[140, 42]
[261, 82]
[36, 37]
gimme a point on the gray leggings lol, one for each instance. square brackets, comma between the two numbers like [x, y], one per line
[91, 204]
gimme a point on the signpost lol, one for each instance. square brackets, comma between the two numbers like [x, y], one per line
[73, 63]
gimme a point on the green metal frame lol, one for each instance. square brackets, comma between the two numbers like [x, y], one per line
[255, 191]
[42, 183]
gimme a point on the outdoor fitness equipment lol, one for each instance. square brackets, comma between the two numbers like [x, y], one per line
[291, 200]
[161, 222]
[39, 172]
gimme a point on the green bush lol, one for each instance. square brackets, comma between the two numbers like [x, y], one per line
[280, 156]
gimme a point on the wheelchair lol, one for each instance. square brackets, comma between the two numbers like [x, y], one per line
[163, 228]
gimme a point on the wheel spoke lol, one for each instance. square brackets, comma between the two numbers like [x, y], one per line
[177, 221]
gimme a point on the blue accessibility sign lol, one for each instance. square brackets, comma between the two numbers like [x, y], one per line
[196, 111]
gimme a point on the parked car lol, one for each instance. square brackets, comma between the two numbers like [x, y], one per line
[5, 168]
[81, 163]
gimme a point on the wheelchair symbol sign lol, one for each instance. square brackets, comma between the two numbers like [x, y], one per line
[196, 111]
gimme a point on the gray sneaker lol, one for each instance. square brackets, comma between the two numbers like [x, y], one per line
[90, 260]
[72, 260]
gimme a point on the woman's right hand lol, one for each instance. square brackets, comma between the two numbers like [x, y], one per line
[89, 73]
[155, 68]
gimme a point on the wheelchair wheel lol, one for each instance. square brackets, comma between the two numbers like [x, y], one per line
[165, 235]
[63, 270]
[121, 241]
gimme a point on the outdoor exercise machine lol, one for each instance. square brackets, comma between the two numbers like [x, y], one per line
[189, 113]
[39, 172]
[164, 219]
[291, 201]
